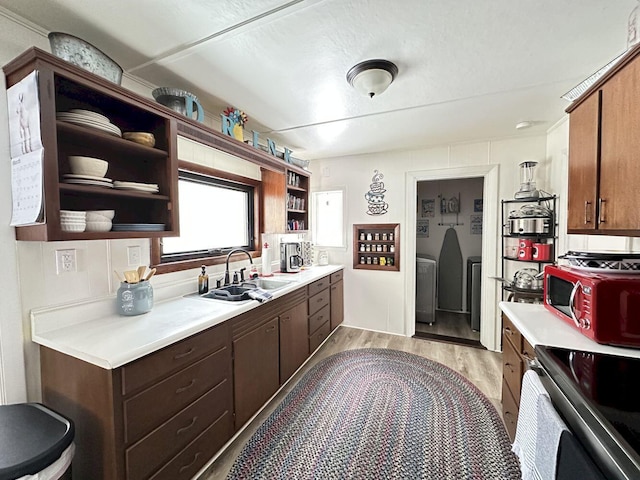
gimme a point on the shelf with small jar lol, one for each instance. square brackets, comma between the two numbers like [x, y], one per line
[376, 246]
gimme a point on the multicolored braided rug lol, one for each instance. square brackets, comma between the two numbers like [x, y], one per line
[380, 414]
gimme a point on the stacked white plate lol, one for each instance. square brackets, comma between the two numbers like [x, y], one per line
[87, 118]
[141, 187]
[73, 221]
[87, 180]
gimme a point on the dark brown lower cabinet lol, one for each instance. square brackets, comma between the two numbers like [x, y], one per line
[337, 302]
[516, 353]
[255, 369]
[161, 416]
[294, 345]
[165, 415]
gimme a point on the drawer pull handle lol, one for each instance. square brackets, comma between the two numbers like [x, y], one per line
[509, 366]
[187, 387]
[185, 354]
[270, 329]
[184, 429]
[320, 300]
[508, 330]
[184, 468]
[320, 317]
[526, 355]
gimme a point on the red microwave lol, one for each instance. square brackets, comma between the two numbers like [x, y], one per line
[603, 306]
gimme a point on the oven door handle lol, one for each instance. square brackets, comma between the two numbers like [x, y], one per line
[572, 306]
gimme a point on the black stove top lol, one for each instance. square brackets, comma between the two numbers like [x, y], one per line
[604, 391]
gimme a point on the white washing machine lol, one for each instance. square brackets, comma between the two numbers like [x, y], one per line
[425, 290]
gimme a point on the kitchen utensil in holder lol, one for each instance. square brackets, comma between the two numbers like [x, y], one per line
[134, 298]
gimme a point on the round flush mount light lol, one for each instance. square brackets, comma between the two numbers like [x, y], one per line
[523, 125]
[372, 77]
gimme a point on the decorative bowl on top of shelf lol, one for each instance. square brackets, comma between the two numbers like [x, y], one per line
[81, 53]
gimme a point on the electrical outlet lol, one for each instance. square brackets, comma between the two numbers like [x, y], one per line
[134, 254]
[65, 261]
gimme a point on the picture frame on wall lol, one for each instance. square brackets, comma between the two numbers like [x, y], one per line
[475, 221]
[422, 227]
[428, 207]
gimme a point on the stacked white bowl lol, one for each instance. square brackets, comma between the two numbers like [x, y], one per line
[88, 166]
[73, 221]
[99, 220]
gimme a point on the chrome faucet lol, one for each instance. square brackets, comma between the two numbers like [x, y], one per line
[226, 270]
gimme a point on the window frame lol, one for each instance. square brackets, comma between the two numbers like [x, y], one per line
[313, 216]
[217, 258]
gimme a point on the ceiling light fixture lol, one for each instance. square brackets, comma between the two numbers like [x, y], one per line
[525, 124]
[372, 77]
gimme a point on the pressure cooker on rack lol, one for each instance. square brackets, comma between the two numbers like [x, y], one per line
[530, 220]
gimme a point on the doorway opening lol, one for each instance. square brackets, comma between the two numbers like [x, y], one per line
[490, 320]
[449, 259]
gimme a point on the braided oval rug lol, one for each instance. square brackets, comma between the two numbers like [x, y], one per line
[380, 414]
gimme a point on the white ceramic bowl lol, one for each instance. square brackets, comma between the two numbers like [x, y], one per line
[98, 226]
[72, 214]
[88, 166]
[100, 215]
[73, 226]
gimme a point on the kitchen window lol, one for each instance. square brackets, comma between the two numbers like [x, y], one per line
[327, 219]
[218, 212]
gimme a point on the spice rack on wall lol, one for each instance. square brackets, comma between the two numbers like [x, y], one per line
[376, 246]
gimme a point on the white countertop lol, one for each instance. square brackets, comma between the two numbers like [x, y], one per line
[541, 327]
[113, 340]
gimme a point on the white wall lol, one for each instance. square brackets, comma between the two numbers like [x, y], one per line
[376, 299]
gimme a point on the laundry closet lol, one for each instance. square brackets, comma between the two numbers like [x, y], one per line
[448, 258]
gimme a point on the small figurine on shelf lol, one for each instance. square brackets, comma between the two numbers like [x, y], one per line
[238, 118]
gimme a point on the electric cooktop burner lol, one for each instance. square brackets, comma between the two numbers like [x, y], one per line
[604, 390]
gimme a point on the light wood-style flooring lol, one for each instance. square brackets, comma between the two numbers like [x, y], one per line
[449, 324]
[481, 367]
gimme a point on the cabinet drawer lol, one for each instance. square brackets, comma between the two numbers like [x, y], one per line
[510, 332]
[318, 286]
[317, 319]
[318, 337]
[144, 371]
[187, 463]
[159, 446]
[509, 411]
[319, 301]
[337, 276]
[512, 370]
[528, 352]
[149, 408]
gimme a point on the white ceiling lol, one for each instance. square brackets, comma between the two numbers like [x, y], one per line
[468, 69]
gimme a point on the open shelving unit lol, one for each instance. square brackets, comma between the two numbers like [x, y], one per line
[376, 246]
[511, 262]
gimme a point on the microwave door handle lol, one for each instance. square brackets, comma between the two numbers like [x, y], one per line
[572, 298]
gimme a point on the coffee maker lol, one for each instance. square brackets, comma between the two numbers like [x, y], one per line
[290, 257]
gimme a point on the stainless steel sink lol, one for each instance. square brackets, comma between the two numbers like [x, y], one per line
[230, 293]
[239, 293]
[267, 283]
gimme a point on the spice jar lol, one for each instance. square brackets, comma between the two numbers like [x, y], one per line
[392, 248]
[362, 237]
[376, 237]
[369, 237]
